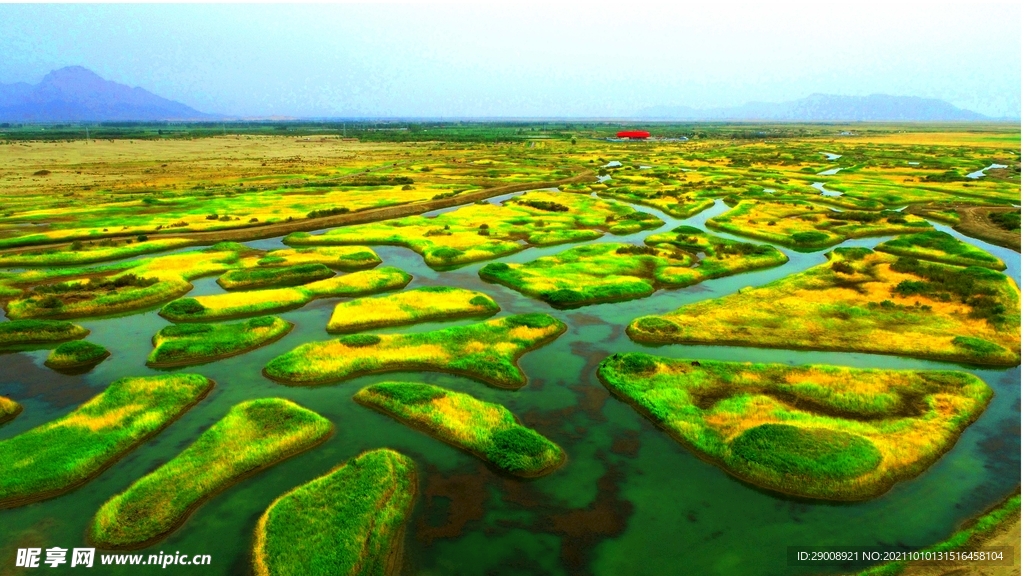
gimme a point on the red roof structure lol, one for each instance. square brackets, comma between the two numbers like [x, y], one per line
[634, 134]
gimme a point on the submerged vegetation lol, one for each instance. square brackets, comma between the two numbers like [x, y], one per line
[76, 354]
[488, 431]
[485, 231]
[410, 307]
[252, 437]
[256, 302]
[486, 351]
[56, 457]
[861, 301]
[349, 521]
[816, 431]
[27, 332]
[609, 272]
[940, 247]
[188, 344]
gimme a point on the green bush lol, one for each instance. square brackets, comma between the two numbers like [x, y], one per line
[656, 325]
[809, 238]
[408, 392]
[514, 448]
[817, 452]
[184, 307]
[535, 320]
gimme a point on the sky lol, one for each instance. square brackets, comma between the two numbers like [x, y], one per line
[547, 59]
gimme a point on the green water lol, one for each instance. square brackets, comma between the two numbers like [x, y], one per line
[628, 501]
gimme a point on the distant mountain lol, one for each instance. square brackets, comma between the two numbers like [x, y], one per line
[76, 94]
[826, 108]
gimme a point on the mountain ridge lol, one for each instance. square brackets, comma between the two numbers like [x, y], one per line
[77, 94]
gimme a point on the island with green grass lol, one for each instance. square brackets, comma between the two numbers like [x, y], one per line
[825, 432]
[196, 343]
[17, 333]
[76, 355]
[259, 302]
[942, 247]
[253, 436]
[487, 351]
[273, 276]
[427, 304]
[61, 455]
[488, 431]
[348, 521]
[9, 409]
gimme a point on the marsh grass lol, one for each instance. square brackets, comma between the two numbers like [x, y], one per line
[76, 354]
[487, 351]
[90, 253]
[426, 304]
[16, 333]
[9, 409]
[58, 456]
[609, 272]
[347, 258]
[488, 431]
[860, 301]
[348, 521]
[485, 231]
[188, 344]
[274, 276]
[256, 302]
[941, 247]
[253, 436]
[825, 432]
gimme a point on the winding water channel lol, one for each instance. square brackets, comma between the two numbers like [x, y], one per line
[628, 501]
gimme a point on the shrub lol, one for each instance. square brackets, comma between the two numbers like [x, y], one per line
[142, 238]
[809, 238]
[637, 364]
[978, 346]
[535, 320]
[544, 205]
[656, 325]
[446, 253]
[328, 212]
[213, 217]
[480, 301]
[408, 392]
[512, 449]
[77, 245]
[816, 452]
[184, 307]
[564, 297]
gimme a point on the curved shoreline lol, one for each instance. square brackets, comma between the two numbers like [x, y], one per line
[216, 357]
[77, 365]
[206, 497]
[415, 425]
[912, 472]
[22, 501]
[416, 367]
[18, 409]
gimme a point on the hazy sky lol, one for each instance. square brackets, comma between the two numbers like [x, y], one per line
[546, 59]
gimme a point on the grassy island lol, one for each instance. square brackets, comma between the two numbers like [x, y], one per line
[117, 289]
[9, 409]
[252, 437]
[485, 231]
[88, 253]
[348, 258]
[807, 226]
[349, 521]
[488, 431]
[426, 304]
[860, 301]
[16, 333]
[188, 344]
[941, 247]
[486, 351]
[267, 277]
[599, 273]
[671, 201]
[75, 355]
[59, 456]
[255, 302]
[815, 431]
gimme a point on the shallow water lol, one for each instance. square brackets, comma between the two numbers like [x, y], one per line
[981, 173]
[629, 500]
[820, 187]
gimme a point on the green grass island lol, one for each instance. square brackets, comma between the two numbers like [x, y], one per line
[486, 430]
[196, 343]
[61, 455]
[860, 301]
[259, 302]
[485, 231]
[253, 436]
[598, 273]
[815, 431]
[21, 333]
[273, 276]
[76, 355]
[348, 521]
[486, 351]
[9, 409]
[941, 247]
[427, 304]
